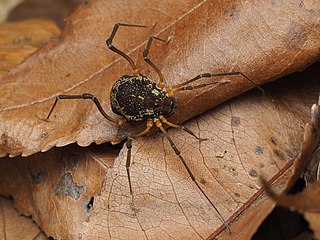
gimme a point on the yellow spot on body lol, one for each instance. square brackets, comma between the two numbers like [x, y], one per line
[155, 92]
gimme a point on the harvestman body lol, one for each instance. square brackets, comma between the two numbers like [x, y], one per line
[137, 99]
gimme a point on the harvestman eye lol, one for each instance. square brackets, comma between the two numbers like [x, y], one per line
[130, 99]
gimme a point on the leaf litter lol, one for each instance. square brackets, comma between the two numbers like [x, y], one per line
[164, 189]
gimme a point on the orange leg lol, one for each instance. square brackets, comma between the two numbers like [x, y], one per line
[164, 120]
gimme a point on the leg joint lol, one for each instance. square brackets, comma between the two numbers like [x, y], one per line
[176, 150]
[109, 43]
[205, 75]
[129, 143]
[145, 54]
[88, 96]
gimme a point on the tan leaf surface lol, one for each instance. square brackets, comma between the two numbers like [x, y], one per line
[264, 40]
[14, 226]
[19, 40]
[251, 219]
[257, 135]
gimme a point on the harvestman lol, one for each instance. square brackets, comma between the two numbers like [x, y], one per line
[137, 99]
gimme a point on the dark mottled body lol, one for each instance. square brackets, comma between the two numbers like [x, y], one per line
[137, 99]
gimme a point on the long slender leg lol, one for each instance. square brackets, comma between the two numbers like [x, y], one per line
[178, 153]
[129, 147]
[87, 96]
[208, 75]
[164, 120]
[193, 87]
[116, 50]
[128, 162]
[146, 58]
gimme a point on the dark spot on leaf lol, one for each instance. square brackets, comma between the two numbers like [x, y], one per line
[16, 41]
[74, 157]
[66, 187]
[89, 205]
[237, 194]
[235, 121]
[274, 141]
[232, 11]
[259, 150]
[290, 154]
[253, 173]
[63, 161]
[203, 181]
[7, 143]
[296, 36]
[35, 175]
[44, 134]
[4, 139]
[28, 38]
[301, 4]
[279, 154]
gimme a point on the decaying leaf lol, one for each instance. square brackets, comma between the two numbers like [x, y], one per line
[265, 40]
[308, 200]
[250, 218]
[15, 226]
[75, 200]
[249, 128]
[312, 172]
[314, 221]
[58, 189]
[19, 40]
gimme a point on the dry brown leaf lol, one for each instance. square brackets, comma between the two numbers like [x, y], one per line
[312, 171]
[314, 221]
[252, 217]
[259, 135]
[307, 201]
[19, 40]
[56, 10]
[57, 189]
[155, 218]
[14, 226]
[264, 40]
